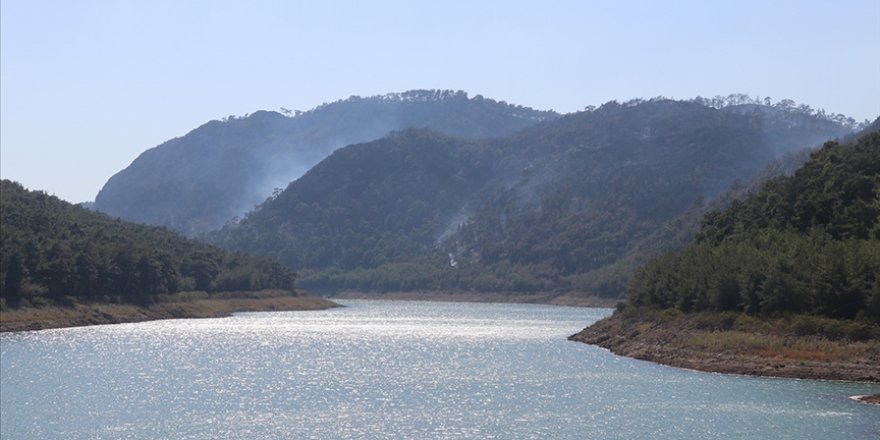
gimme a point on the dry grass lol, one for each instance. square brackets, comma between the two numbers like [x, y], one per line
[54, 313]
[810, 348]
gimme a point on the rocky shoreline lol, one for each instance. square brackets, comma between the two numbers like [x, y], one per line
[872, 399]
[681, 342]
[96, 314]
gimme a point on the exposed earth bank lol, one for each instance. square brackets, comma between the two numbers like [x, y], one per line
[696, 342]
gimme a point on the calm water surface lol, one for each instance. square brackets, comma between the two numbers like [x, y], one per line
[391, 370]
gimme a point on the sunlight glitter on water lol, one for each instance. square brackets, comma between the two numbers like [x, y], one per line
[390, 370]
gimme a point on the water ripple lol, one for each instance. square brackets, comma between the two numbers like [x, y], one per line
[390, 370]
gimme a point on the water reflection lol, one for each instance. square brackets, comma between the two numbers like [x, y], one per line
[390, 370]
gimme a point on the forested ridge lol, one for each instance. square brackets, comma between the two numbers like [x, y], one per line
[808, 243]
[55, 252]
[568, 205]
[197, 182]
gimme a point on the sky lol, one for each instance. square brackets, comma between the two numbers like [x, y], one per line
[86, 86]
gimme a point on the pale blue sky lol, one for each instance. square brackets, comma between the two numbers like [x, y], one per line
[86, 86]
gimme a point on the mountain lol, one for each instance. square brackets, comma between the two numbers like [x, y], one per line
[559, 206]
[198, 182]
[52, 252]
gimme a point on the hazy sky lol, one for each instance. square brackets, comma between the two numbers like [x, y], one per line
[86, 86]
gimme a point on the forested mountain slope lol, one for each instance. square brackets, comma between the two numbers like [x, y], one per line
[368, 203]
[807, 243]
[198, 182]
[555, 207]
[53, 252]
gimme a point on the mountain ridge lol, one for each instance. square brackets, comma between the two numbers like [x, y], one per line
[560, 199]
[197, 182]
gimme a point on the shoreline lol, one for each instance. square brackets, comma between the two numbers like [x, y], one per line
[81, 315]
[86, 314]
[553, 299]
[680, 343]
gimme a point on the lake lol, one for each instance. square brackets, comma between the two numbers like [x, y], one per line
[391, 370]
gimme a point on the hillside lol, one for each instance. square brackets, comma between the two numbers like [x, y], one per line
[57, 253]
[198, 182]
[564, 206]
[782, 283]
[366, 204]
[806, 243]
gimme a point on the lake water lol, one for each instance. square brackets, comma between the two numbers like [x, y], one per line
[391, 370]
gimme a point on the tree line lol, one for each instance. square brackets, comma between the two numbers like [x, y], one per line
[53, 252]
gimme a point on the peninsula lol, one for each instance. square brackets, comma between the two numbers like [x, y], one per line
[783, 283]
